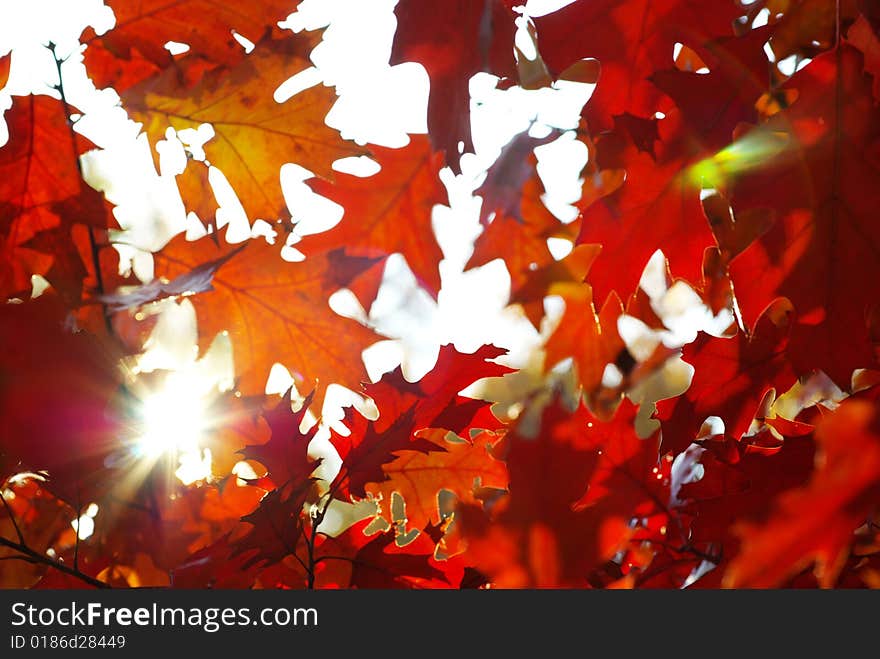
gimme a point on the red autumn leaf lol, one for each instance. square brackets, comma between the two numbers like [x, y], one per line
[434, 400]
[821, 252]
[68, 271]
[865, 37]
[521, 225]
[57, 394]
[276, 526]
[816, 522]
[454, 41]
[389, 212]
[356, 560]
[537, 539]
[135, 48]
[804, 27]
[538, 535]
[286, 454]
[715, 103]
[552, 278]
[366, 449]
[738, 480]
[380, 564]
[731, 376]
[275, 311]
[40, 189]
[502, 190]
[214, 567]
[657, 207]
[631, 40]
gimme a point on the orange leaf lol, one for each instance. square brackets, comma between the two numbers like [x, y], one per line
[276, 311]
[389, 212]
[254, 135]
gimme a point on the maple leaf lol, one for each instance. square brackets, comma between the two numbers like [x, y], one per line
[563, 516]
[731, 376]
[355, 559]
[435, 399]
[454, 41]
[286, 454]
[657, 207]
[135, 48]
[866, 37]
[195, 187]
[275, 311]
[41, 189]
[821, 253]
[254, 135]
[531, 285]
[389, 212]
[627, 481]
[214, 566]
[816, 522]
[68, 271]
[631, 40]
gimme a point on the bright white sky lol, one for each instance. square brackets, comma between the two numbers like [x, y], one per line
[377, 104]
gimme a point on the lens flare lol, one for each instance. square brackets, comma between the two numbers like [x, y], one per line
[747, 153]
[174, 420]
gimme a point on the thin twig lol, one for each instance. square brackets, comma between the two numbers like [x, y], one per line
[12, 518]
[36, 557]
[93, 241]
[77, 530]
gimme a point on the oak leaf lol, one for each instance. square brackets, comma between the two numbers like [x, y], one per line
[821, 253]
[41, 189]
[389, 212]
[135, 48]
[731, 376]
[454, 41]
[816, 522]
[254, 134]
[275, 311]
[631, 40]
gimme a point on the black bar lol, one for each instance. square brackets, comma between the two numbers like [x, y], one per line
[454, 623]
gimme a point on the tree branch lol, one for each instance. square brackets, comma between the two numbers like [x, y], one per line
[93, 241]
[28, 554]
